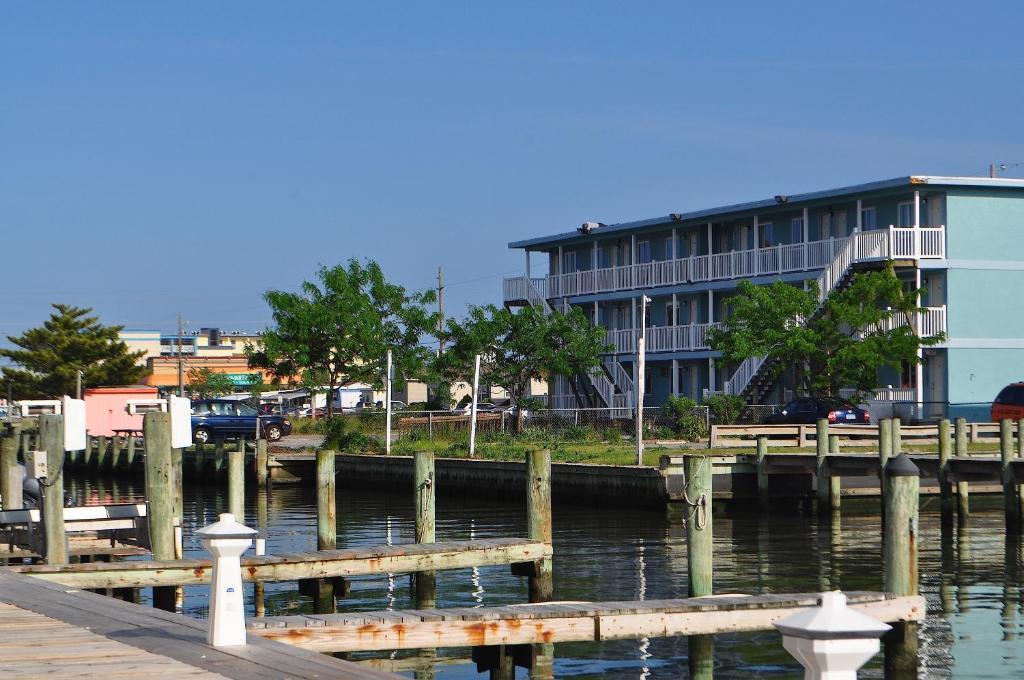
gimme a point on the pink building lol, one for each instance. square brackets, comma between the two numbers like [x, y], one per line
[105, 408]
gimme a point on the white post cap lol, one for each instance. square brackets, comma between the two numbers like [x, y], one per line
[226, 527]
[831, 620]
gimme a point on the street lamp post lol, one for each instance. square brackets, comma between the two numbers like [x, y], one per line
[641, 359]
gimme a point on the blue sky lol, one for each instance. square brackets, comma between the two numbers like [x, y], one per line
[187, 157]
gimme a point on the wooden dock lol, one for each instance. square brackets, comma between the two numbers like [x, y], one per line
[47, 630]
[395, 559]
[560, 621]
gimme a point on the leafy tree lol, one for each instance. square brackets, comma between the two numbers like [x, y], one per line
[204, 383]
[840, 344]
[337, 331]
[517, 347]
[47, 359]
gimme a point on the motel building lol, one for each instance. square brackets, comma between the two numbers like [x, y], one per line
[957, 237]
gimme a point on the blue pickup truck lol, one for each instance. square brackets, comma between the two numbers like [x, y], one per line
[214, 419]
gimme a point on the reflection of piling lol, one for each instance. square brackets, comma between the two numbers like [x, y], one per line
[259, 589]
[902, 487]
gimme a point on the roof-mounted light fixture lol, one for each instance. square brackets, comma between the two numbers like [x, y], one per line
[781, 199]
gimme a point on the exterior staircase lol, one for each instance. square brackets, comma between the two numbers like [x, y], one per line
[867, 250]
[610, 380]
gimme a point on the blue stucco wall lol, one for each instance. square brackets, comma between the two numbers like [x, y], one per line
[984, 225]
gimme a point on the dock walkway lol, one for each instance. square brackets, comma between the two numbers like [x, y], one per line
[48, 630]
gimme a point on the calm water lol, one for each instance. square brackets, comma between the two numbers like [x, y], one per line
[972, 580]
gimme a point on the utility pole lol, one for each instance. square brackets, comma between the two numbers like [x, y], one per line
[181, 362]
[78, 384]
[440, 314]
[992, 170]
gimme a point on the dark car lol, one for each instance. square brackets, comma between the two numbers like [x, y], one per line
[1009, 403]
[226, 419]
[807, 410]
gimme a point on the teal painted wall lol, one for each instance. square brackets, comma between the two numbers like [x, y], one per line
[976, 375]
[985, 225]
[984, 303]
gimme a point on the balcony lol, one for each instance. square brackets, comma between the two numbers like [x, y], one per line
[662, 339]
[878, 244]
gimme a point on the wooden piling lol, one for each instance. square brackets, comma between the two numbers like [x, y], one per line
[884, 454]
[945, 487]
[51, 432]
[963, 500]
[1020, 454]
[218, 456]
[700, 570]
[236, 484]
[262, 463]
[102, 453]
[322, 590]
[538, 520]
[902, 479]
[821, 472]
[130, 451]
[10, 471]
[762, 471]
[87, 455]
[835, 482]
[698, 524]
[156, 427]
[897, 436]
[1006, 456]
[424, 497]
[115, 452]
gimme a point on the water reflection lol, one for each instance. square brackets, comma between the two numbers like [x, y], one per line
[970, 574]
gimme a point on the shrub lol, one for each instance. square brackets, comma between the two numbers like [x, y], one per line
[341, 436]
[725, 408]
[611, 435]
[685, 418]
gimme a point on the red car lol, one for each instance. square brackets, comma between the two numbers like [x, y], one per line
[1009, 403]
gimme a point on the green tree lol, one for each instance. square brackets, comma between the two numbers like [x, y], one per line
[204, 383]
[859, 329]
[517, 347]
[46, 360]
[337, 331]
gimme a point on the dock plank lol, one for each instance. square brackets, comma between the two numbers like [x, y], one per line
[321, 564]
[568, 621]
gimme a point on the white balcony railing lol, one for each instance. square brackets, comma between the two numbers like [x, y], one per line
[927, 323]
[891, 243]
[662, 338]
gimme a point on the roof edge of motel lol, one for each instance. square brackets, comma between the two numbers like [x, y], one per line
[792, 200]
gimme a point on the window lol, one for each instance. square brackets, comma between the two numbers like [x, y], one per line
[670, 314]
[222, 408]
[246, 410]
[568, 262]
[670, 250]
[603, 258]
[201, 409]
[868, 219]
[643, 249]
[648, 380]
[766, 235]
[905, 215]
[797, 227]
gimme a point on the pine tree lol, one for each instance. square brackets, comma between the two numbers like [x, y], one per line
[47, 359]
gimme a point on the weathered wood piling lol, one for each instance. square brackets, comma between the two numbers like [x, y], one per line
[160, 493]
[51, 434]
[900, 549]
[425, 499]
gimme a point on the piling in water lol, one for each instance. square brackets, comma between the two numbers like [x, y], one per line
[762, 472]
[51, 434]
[424, 497]
[902, 480]
[160, 491]
[538, 519]
[821, 471]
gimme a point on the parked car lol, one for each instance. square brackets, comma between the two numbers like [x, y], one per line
[1009, 403]
[807, 410]
[225, 419]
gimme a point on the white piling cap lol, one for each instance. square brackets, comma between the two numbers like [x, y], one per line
[831, 620]
[226, 527]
